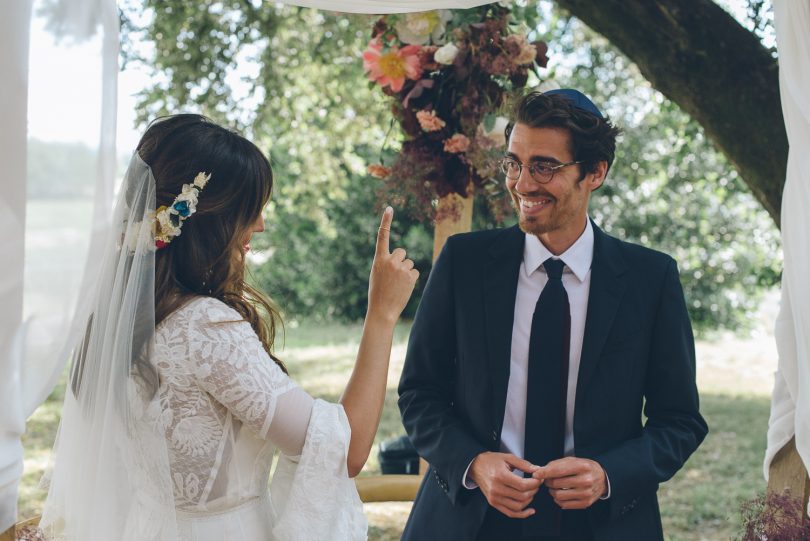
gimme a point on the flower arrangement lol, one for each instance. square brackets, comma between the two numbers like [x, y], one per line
[774, 517]
[448, 73]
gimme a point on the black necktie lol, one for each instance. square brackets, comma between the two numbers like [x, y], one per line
[546, 391]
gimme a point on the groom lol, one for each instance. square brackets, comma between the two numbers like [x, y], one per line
[536, 350]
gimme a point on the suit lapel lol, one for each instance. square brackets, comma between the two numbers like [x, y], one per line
[500, 287]
[606, 291]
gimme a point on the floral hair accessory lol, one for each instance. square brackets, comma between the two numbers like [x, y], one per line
[169, 220]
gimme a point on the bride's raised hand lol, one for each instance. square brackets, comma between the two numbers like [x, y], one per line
[392, 276]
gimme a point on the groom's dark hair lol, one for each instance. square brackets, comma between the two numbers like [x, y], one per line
[593, 136]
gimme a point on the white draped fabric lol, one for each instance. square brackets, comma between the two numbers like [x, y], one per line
[386, 6]
[33, 351]
[790, 405]
[13, 103]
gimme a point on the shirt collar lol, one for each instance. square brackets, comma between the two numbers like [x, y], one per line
[578, 257]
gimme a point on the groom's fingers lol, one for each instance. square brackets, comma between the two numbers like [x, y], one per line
[520, 464]
[574, 483]
[525, 513]
[384, 232]
[505, 490]
[512, 504]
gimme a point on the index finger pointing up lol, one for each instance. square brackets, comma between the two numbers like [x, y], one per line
[385, 229]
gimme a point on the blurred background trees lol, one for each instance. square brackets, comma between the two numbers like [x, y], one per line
[292, 80]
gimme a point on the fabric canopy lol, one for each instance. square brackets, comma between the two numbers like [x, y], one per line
[13, 104]
[790, 404]
[385, 6]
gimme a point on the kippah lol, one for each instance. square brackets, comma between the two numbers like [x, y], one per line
[576, 97]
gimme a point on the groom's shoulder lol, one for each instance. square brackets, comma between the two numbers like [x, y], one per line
[477, 240]
[638, 256]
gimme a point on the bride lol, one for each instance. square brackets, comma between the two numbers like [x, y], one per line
[176, 402]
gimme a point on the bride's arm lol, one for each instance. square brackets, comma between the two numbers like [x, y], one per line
[390, 286]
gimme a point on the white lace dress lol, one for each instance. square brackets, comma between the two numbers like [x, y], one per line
[227, 406]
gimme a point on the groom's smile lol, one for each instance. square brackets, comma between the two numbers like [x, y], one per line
[553, 208]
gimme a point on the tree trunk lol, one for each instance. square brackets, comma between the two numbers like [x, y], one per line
[718, 72]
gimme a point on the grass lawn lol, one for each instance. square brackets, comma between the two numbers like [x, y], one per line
[700, 503]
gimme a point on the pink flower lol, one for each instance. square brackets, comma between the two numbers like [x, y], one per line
[392, 67]
[378, 170]
[458, 143]
[519, 49]
[429, 121]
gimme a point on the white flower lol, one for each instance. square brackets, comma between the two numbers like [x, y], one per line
[496, 134]
[189, 194]
[419, 28]
[446, 54]
[201, 180]
[165, 225]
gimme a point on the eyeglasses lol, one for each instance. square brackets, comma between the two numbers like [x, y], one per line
[539, 171]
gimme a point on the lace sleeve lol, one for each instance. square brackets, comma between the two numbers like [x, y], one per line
[312, 496]
[233, 367]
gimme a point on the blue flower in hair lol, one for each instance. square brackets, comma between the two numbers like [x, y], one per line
[182, 208]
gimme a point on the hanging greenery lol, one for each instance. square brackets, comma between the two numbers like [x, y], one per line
[448, 72]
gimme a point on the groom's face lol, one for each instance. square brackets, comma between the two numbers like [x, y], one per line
[560, 205]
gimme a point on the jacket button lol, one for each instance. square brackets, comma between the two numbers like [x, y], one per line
[494, 436]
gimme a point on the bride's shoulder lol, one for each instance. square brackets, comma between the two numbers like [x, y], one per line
[202, 311]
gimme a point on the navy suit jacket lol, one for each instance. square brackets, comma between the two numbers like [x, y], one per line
[637, 356]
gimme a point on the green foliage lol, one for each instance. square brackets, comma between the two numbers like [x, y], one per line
[306, 101]
[320, 273]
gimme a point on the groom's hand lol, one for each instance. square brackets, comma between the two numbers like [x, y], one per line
[574, 483]
[503, 489]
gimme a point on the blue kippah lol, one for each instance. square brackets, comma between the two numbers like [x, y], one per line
[576, 97]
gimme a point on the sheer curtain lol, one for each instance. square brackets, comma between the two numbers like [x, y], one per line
[790, 405]
[36, 332]
[13, 100]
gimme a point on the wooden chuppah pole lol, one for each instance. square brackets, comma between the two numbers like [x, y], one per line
[455, 216]
[787, 472]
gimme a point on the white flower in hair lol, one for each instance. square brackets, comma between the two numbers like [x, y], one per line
[201, 180]
[189, 194]
[169, 220]
[165, 225]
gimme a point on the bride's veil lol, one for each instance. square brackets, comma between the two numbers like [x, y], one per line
[110, 476]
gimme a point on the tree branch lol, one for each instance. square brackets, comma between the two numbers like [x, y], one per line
[701, 58]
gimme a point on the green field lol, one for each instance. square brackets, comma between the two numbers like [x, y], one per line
[700, 503]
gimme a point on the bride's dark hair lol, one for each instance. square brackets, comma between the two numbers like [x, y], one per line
[207, 258]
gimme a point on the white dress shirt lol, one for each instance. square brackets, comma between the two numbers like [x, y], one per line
[532, 279]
